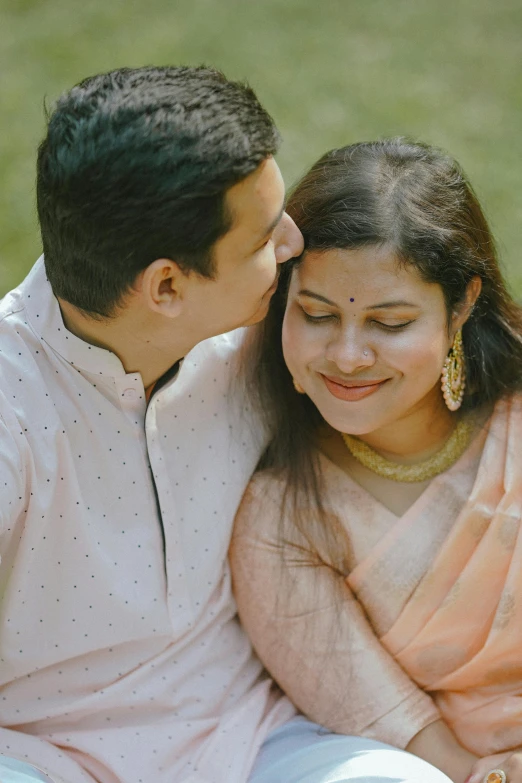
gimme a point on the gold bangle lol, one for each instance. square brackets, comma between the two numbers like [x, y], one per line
[496, 776]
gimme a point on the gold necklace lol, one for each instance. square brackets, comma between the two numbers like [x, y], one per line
[452, 450]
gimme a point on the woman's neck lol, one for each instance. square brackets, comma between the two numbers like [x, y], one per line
[417, 435]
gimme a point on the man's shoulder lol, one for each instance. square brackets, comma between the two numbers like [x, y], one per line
[11, 305]
[15, 324]
[23, 380]
[18, 342]
[221, 348]
[214, 364]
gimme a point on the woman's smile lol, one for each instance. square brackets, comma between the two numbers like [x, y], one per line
[351, 391]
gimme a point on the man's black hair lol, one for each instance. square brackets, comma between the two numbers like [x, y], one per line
[135, 166]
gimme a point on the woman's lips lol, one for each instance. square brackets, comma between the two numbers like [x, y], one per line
[351, 392]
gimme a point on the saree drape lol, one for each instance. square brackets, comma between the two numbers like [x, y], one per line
[459, 634]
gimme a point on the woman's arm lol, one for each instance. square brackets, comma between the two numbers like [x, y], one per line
[312, 634]
[316, 641]
[437, 744]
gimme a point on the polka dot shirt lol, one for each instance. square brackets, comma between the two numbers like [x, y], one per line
[121, 658]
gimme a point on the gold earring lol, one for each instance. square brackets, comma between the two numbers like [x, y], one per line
[453, 380]
[299, 389]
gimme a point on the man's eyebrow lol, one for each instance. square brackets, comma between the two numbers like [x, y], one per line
[380, 306]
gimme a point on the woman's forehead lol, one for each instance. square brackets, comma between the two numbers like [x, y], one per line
[369, 265]
[361, 276]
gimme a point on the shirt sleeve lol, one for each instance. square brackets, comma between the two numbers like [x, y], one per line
[313, 635]
[16, 744]
[51, 760]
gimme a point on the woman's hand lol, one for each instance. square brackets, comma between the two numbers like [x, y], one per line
[510, 763]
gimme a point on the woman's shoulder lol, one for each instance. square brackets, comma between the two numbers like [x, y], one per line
[264, 507]
[265, 487]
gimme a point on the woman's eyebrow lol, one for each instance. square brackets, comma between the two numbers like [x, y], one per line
[312, 295]
[394, 303]
[380, 306]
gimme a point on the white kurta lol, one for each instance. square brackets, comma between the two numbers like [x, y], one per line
[121, 658]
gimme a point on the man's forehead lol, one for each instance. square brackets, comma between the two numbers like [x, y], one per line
[257, 202]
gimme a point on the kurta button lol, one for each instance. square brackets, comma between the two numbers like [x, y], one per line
[130, 394]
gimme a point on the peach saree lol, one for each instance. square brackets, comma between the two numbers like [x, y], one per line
[419, 617]
[459, 634]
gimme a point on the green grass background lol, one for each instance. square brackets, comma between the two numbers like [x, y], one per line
[331, 72]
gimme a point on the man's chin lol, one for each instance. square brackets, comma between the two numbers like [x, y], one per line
[259, 315]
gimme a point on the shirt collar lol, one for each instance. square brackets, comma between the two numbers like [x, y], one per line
[45, 318]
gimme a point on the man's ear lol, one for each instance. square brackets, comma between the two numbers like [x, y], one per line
[162, 287]
[463, 312]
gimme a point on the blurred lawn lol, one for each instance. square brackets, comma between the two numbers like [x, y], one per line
[331, 72]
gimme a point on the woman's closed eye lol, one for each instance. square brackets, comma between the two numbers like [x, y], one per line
[318, 318]
[325, 317]
[392, 327]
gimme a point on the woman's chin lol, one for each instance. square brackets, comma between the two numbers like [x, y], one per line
[357, 421]
[350, 425]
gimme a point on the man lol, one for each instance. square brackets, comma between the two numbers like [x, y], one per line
[124, 447]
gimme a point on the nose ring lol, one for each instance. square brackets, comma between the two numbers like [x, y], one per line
[365, 353]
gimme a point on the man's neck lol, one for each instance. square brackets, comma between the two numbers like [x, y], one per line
[135, 339]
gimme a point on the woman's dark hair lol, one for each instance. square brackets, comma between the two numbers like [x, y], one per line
[416, 201]
[134, 167]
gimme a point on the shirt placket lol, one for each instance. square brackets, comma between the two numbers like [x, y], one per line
[178, 593]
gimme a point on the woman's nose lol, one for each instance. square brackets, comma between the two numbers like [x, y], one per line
[350, 353]
[288, 240]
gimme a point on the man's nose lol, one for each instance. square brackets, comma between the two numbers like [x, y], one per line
[289, 240]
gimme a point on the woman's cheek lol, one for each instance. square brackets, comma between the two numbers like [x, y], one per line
[290, 339]
[297, 343]
[421, 362]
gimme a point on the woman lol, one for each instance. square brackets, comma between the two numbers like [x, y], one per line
[377, 557]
